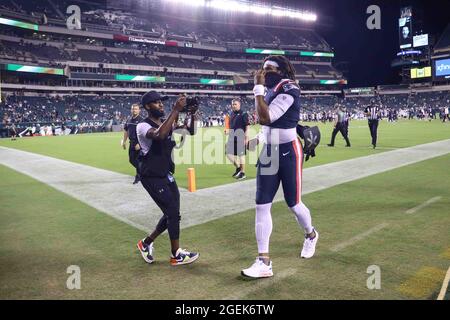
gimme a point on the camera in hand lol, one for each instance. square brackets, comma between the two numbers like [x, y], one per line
[191, 105]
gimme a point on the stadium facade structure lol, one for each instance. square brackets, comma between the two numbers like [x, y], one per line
[117, 52]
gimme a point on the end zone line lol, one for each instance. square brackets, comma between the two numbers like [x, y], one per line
[444, 286]
[359, 237]
[423, 205]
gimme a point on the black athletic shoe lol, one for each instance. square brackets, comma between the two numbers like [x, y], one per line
[137, 178]
[348, 146]
[241, 176]
[330, 145]
[238, 170]
[374, 146]
[146, 251]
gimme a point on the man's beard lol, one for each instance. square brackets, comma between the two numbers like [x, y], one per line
[156, 113]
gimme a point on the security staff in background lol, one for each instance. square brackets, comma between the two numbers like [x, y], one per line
[340, 125]
[237, 139]
[373, 115]
[13, 132]
[156, 168]
[130, 133]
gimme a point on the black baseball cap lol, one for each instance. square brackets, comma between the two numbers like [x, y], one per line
[152, 96]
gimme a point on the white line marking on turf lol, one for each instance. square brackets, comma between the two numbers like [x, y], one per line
[113, 193]
[96, 187]
[423, 205]
[444, 286]
[257, 285]
[289, 272]
[359, 237]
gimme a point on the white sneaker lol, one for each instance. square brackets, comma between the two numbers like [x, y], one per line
[309, 246]
[258, 270]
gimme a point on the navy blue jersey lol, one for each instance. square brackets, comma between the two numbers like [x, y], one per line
[292, 116]
[238, 120]
[130, 127]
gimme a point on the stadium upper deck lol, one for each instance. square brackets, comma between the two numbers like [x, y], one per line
[114, 46]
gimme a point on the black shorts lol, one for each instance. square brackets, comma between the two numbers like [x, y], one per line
[235, 147]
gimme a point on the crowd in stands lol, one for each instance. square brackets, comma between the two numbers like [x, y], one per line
[28, 109]
[19, 109]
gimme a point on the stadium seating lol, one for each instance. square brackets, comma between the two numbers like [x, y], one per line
[12, 50]
[29, 109]
[52, 49]
[108, 21]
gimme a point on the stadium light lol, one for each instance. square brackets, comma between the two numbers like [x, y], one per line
[229, 5]
[248, 7]
[279, 13]
[192, 3]
[260, 10]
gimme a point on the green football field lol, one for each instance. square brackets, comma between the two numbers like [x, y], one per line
[44, 231]
[104, 150]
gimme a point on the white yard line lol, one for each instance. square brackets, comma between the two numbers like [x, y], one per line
[359, 237]
[282, 274]
[444, 286]
[423, 205]
[113, 193]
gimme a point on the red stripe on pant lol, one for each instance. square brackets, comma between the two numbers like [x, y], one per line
[298, 168]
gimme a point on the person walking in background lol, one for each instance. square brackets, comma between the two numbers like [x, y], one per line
[373, 115]
[340, 125]
[130, 133]
[237, 138]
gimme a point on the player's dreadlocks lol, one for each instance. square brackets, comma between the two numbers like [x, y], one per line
[286, 66]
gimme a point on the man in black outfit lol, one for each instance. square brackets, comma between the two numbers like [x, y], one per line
[156, 168]
[130, 133]
[237, 139]
[340, 125]
[373, 115]
[13, 132]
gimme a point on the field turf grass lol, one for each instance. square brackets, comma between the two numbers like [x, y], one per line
[104, 151]
[43, 232]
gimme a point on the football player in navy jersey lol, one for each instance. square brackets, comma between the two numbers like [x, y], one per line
[277, 100]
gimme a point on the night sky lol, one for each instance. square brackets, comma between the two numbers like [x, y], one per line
[369, 53]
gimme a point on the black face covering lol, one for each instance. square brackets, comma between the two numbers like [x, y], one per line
[155, 113]
[272, 79]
